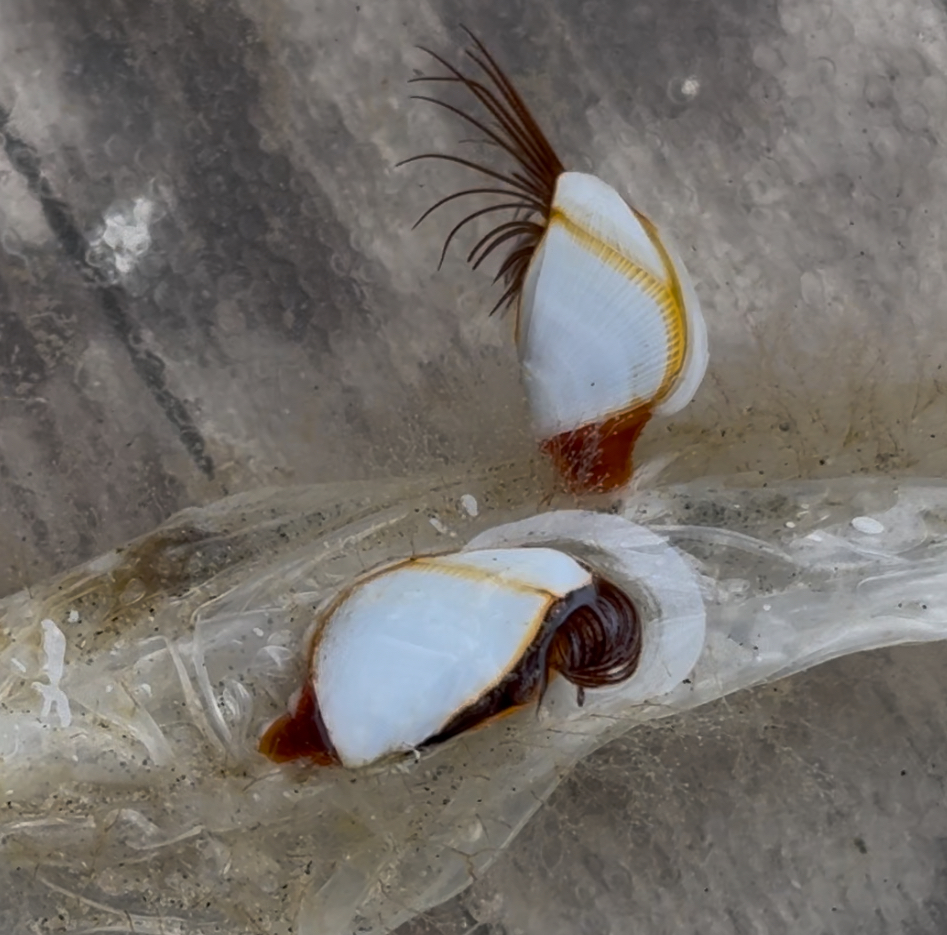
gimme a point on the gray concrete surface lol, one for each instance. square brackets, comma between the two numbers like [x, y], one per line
[271, 318]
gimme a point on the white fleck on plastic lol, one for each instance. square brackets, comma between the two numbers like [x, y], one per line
[73, 616]
[438, 525]
[54, 645]
[470, 505]
[868, 525]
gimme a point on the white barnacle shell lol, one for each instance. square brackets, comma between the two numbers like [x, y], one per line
[411, 646]
[416, 652]
[609, 332]
[609, 329]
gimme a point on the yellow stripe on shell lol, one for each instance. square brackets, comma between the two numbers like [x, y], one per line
[667, 295]
[471, 573]
[677, 293]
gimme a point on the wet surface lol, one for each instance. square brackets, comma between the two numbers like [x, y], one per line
[208, 283]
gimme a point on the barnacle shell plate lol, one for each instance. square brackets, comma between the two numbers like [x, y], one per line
[411, 646]
[609, 321]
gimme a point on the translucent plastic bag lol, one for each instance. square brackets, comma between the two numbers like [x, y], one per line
[133, 690]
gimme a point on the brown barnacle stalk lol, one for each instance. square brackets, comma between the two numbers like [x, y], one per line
[501, 115]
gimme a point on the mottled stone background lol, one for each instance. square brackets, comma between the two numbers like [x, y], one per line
[208, 283]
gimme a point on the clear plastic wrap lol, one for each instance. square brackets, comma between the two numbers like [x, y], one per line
[133, 690]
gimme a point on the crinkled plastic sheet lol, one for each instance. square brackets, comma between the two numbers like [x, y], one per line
[132, 691]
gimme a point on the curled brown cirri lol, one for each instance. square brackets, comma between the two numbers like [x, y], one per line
[528, 187]
[599, 643]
